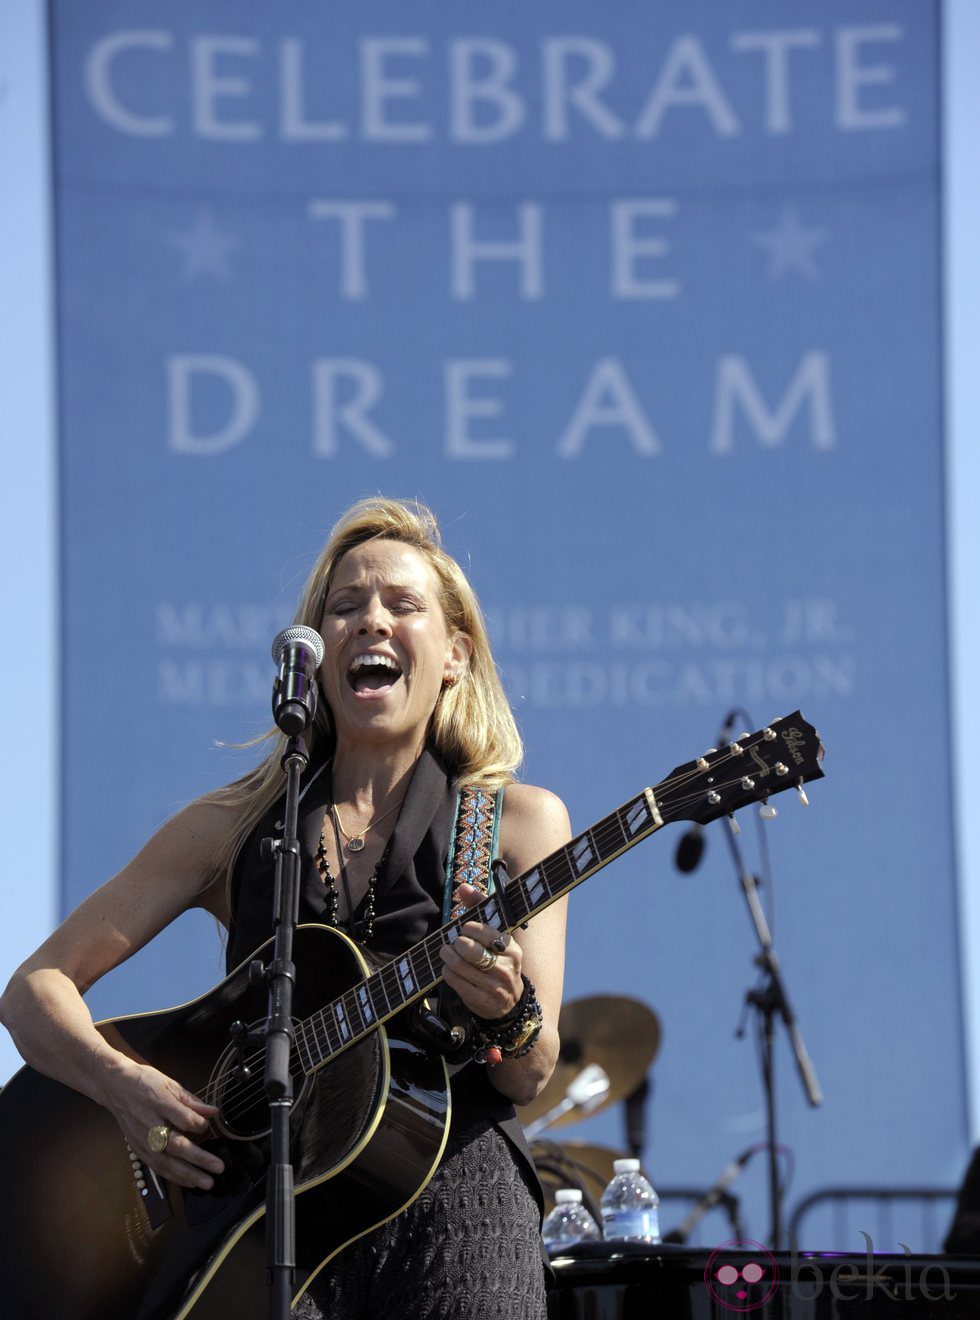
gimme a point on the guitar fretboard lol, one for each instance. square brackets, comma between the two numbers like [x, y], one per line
[360, 1010]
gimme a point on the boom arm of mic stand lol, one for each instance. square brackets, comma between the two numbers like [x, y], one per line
[729, 1202]
[808, 1076]
[769, 962]
[546, 1120]
[588, 1089]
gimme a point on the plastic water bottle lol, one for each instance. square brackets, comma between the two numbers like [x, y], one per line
[569, 1222]
[630, 1207]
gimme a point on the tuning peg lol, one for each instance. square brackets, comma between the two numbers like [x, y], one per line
[736, 828]
[767, 811]
[803, 797]
[714, 797]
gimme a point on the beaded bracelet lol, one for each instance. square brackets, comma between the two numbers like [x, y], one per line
[514, 1034]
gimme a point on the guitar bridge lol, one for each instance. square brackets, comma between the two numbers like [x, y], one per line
[152, 1193]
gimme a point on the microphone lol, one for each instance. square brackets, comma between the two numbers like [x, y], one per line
[712, 1196]
[298, 652]
[690, 849]
[690, 846]
[728, 724]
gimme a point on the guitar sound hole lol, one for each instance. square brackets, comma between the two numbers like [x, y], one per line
[240, 1094]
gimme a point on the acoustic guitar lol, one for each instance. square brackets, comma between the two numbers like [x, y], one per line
[89, 1233]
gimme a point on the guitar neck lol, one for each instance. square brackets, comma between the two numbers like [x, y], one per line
[362, 1009]
[783, 755]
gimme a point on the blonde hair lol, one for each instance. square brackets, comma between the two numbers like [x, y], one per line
[472, 729]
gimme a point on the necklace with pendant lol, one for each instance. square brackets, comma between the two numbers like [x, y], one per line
[332, 913]
[355, 842]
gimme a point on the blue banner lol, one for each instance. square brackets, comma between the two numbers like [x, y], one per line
[645, 302]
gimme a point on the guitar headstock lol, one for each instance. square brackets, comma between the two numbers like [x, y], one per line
[785, 754]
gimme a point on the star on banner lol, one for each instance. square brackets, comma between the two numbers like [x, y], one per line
[791, 246]
[206, 249]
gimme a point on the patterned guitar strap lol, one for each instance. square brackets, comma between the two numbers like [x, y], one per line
[472, 850]
[473, 847]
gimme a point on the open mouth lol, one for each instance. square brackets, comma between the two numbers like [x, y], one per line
[373, 673]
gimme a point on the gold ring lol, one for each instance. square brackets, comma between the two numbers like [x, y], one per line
[486, 960]
[158, 1137]
[498, 944]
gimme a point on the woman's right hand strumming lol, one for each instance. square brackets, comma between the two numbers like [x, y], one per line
[143, 1100]
[47, 1017]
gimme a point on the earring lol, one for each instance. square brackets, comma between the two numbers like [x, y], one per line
[450, 681]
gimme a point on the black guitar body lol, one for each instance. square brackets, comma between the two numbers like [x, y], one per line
[84, 1240]
[88, 1235]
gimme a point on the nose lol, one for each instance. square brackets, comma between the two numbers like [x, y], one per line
[374, 619]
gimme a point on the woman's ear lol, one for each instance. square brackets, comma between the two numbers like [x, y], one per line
[457, 659]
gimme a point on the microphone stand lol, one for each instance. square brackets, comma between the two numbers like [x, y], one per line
[769, 999]
[298, 651]
[717, 1194]
[280, 975]
[635, 1114]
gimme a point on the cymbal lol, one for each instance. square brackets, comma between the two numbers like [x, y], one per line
[618, 1033]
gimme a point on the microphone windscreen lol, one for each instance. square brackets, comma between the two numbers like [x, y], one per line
[298, 633]
[690, 848]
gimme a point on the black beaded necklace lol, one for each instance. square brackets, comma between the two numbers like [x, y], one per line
[332, 913]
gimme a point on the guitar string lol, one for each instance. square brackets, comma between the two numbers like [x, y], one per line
[243, 1093]
[432, 943]
[389, 989]
[244, 1098]
[390, 985]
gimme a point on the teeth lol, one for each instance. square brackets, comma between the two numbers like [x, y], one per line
[366, 661]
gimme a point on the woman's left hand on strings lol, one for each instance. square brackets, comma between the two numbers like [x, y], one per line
[483, 965]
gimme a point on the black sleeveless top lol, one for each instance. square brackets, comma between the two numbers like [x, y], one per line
[409, 891]
[408, 905]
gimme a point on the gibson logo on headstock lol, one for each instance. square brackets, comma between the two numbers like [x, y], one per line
[794, 740]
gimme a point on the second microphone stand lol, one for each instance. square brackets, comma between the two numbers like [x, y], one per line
[768, 999]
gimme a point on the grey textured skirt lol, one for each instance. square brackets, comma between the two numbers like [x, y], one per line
[468, 1247]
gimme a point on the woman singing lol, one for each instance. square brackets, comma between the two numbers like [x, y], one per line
[411, 713]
